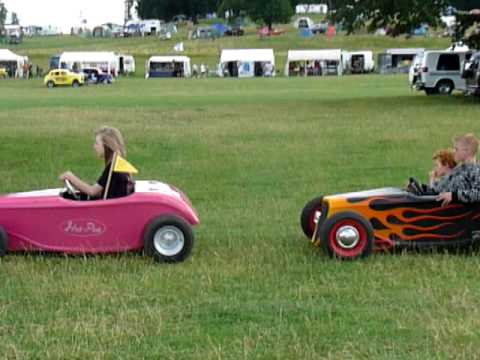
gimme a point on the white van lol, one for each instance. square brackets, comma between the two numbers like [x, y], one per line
[439, 72]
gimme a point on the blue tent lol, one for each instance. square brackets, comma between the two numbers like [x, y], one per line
[219, 29]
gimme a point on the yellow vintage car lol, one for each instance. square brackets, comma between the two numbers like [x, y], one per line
[61, 77]
[3, 73]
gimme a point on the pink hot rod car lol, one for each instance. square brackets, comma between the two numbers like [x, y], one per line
[156, 218]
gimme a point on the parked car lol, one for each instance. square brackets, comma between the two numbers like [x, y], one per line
[234, 31]
[353, 225]
[3, 73]
[320, 28]
[471, 74]
[440, 72]
[156, 218]
[63, 77]
[96, 76]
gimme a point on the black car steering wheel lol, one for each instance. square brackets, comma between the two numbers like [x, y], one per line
[414, 187]
[71, 189]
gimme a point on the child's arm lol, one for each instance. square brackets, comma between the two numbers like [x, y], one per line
[90, 190]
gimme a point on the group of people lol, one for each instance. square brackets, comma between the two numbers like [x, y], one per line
[455, 176]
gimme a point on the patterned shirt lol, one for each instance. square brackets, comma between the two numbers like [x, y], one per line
[463, 183]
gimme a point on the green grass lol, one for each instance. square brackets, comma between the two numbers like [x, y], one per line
[249, 154]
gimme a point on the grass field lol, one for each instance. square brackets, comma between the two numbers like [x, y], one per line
[249, 154]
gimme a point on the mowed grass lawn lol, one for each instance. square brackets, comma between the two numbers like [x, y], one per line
[249, 154]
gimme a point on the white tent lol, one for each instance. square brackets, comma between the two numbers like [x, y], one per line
[327, 61]
[303, 21]
[168, 66]
[358, 61]
[105, 60]
[247, 62]
[13, 62]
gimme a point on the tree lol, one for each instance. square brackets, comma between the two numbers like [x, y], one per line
[235, 6]
[270, 11]
[399, 17]
[465, 4]
[3, 15]
[467, 28]
[15, 19]
[166, 9]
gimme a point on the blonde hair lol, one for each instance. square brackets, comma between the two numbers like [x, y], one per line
[469, 141]
[112, 140]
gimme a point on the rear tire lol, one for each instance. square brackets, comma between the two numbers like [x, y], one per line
[3, 242]
[50, 84]
[347, 236]
[75, 84]
[445, 87]
[308, 215]
[168, 239]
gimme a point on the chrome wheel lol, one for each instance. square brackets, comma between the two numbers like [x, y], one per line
[168, 240]
[347, 237]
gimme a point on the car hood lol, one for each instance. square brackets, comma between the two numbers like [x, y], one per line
[387, 191]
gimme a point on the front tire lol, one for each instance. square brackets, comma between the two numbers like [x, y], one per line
[168, 239]
[347, 236]
[50, 84]
[3, 242]
[307, 216]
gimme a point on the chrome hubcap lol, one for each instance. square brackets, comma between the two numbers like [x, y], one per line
[168, 240]
[347, 237]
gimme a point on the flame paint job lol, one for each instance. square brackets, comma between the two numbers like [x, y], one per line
[400, 218]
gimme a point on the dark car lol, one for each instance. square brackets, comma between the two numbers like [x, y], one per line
[353, 225]
[97, 76]
[234, 31]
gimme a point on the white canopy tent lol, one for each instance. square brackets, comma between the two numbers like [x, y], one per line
[104, 60]
[12, 62]
[358, 61]
[318, 61]
[303, 22]
[247, 62]
[168, 66]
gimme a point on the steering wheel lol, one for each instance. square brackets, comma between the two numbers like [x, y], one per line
[414, 187]
[71, 189]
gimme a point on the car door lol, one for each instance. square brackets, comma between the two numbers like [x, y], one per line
[62, 77]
